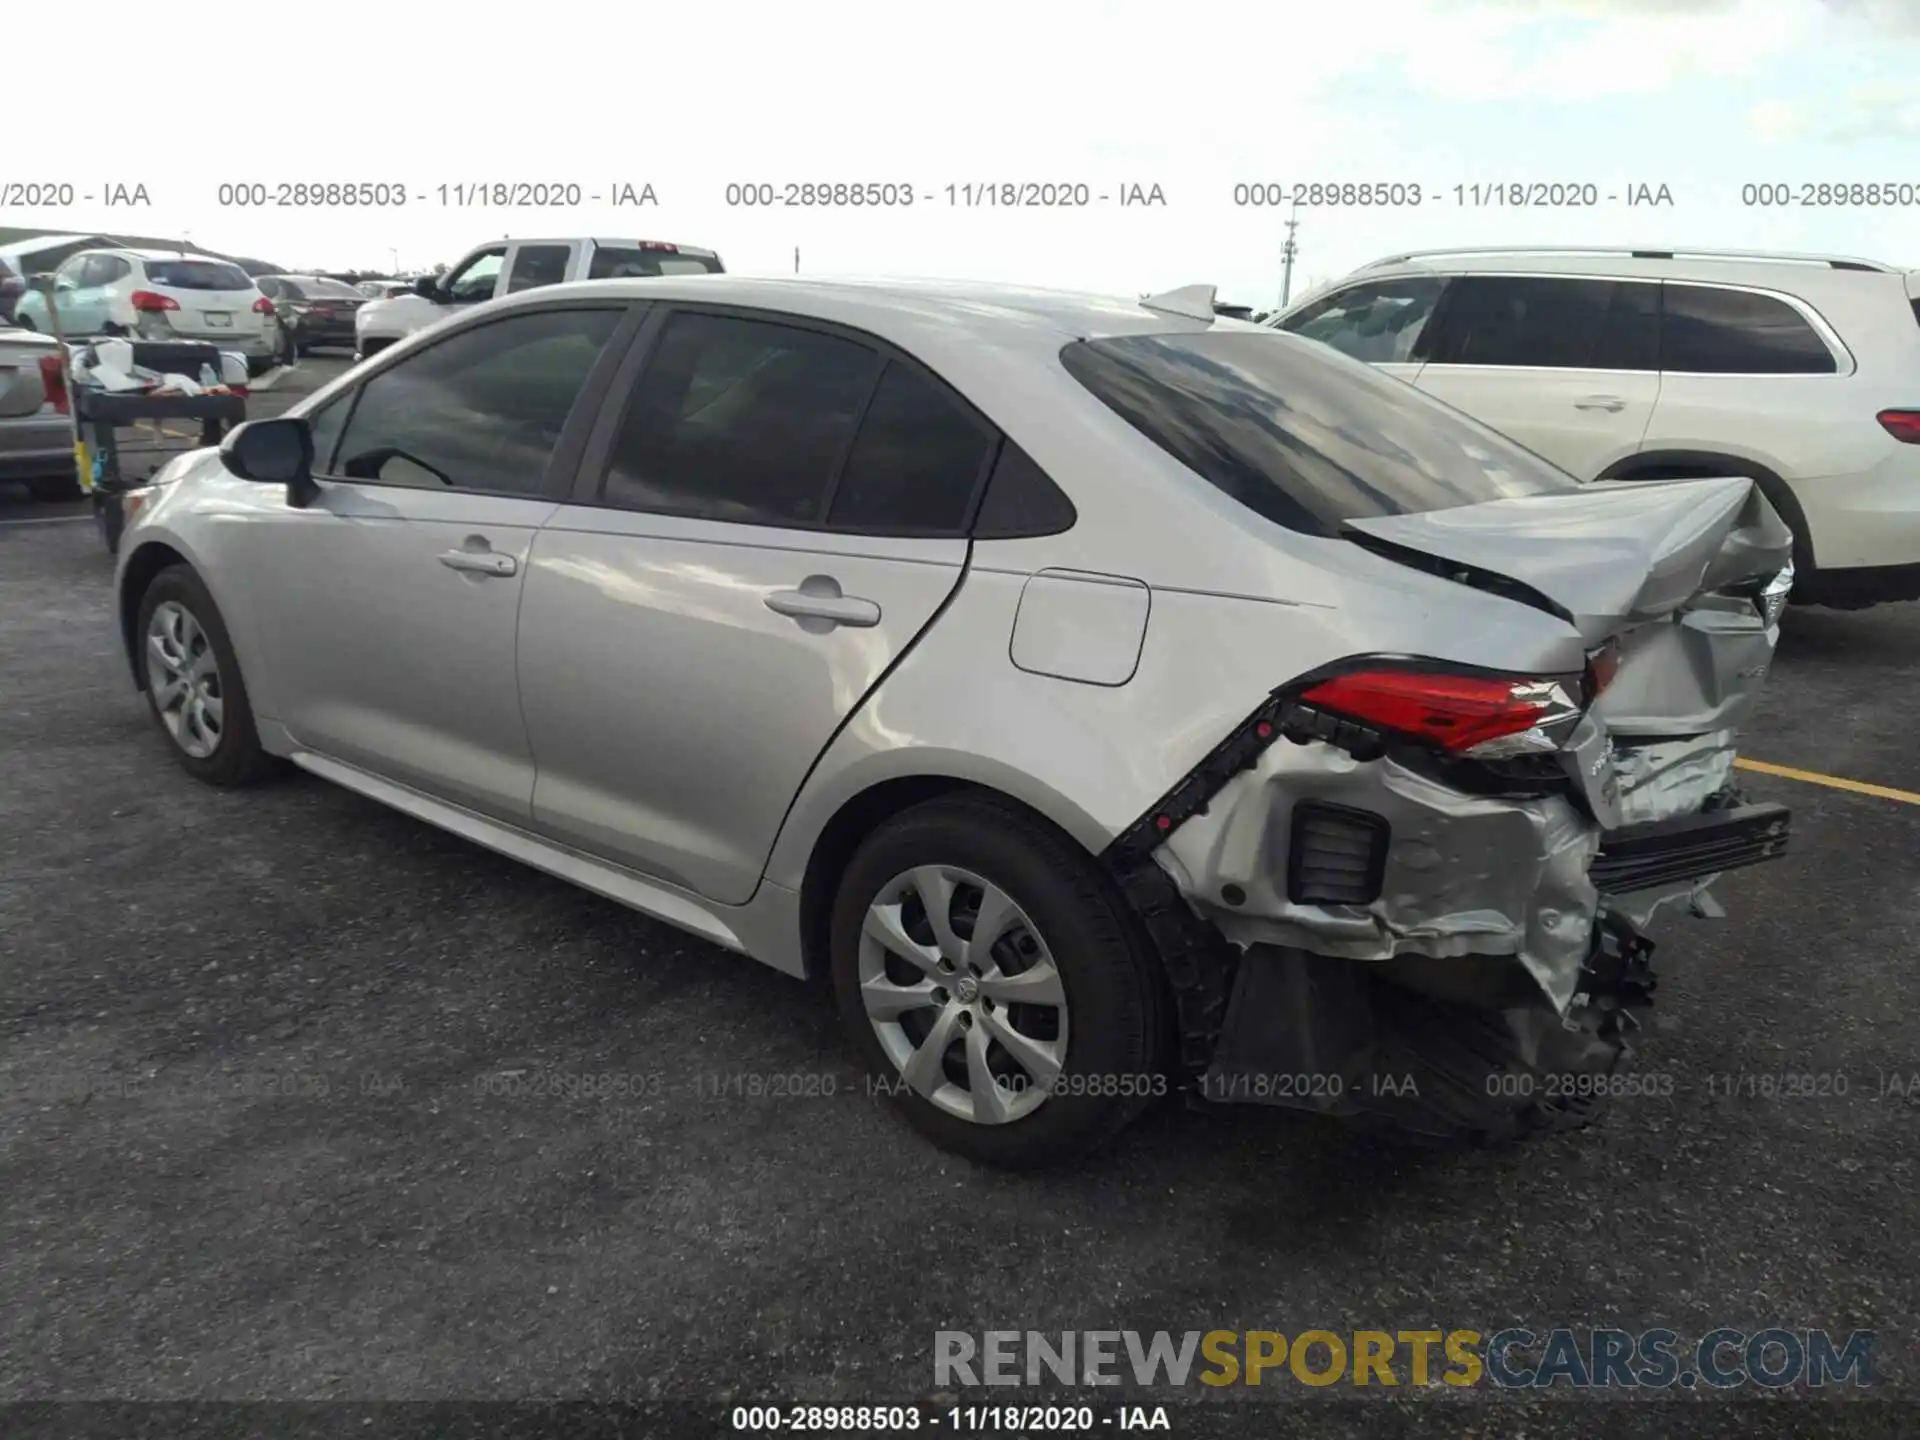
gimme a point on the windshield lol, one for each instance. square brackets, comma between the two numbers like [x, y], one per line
[197, 275]
[320, 289]
[1300, 435]
[613, 262]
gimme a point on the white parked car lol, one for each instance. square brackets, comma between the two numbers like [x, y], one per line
[158, 295]
[384, 289]
[507, 267]
[1800, 372]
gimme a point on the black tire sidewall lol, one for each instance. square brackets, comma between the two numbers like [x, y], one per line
[238, 757]
[1111, 998]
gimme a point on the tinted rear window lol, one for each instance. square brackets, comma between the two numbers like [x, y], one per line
[613, 262]
[197, 275]
[1709, 331]
[1301, 435]
[330, 290]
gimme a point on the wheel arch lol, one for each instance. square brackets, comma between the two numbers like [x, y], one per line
[832, 843]
[137, 572]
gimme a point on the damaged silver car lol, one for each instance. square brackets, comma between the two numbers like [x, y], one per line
[1106, 698]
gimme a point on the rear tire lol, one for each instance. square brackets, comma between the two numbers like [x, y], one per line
[969, 1053]
[193, 685]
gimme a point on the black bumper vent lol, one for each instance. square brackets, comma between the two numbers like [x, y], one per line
[1337, 855]
[1667, 852]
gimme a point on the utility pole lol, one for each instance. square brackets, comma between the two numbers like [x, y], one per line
[796, 259]
[1287, 253]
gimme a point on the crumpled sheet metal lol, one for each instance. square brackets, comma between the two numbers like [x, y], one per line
[1663, 778]
[1465, 875]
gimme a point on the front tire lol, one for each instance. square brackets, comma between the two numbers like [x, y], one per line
[192, 680]
[1020, 1045]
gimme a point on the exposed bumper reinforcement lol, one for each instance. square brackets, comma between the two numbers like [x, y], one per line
[1690, 847]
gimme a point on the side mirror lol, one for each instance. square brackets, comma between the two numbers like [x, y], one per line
[274, 452]
[427, 288]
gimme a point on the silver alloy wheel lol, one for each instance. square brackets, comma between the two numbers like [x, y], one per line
[183, 677]
[963, 994]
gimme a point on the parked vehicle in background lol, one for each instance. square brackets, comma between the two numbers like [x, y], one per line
[12, 286]
[1801, 372]
[382, 289]
[36, 435]
[1104, 696]
[159, 295]
[507, 267]
[312, 310]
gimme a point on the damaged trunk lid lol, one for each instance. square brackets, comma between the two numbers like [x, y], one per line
[1606, 557]
[1675, 586]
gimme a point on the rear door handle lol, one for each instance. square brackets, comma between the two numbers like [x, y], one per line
[1611, 403]
[819, 598]
[480, 562]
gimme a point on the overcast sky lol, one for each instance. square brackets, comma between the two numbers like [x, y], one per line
[1700, 96]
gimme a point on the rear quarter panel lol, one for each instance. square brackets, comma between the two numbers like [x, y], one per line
[1094, 757]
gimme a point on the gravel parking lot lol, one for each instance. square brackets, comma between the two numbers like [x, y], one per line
[181, 1233]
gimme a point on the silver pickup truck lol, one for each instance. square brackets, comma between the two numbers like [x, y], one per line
[507, 266]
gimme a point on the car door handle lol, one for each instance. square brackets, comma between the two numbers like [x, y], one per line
[817, 604]
[1611, 403]
[480, 562]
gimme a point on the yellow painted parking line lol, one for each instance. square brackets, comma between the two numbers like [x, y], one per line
[1832, 782]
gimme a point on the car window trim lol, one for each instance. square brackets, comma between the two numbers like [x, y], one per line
[595, 461]
[1843, 356]
[557, 480]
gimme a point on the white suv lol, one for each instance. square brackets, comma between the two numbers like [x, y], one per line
[1800, 371]
[159, 295]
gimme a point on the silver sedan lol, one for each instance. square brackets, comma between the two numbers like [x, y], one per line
[1109, 700]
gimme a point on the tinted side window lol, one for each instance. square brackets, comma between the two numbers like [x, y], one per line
[916, 462]
[741, 420]
[1021, 500]
[1380, 322]
[481, 410]
[535, 265]
[1707, 331]
[476, 280]
[1550, 322]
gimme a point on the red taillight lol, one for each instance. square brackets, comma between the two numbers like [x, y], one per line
[263, 306]
[1455, 712]
[1903, 425]
[150, 303]
[53, 382]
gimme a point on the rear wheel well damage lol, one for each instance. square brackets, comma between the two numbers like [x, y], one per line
[141, 568]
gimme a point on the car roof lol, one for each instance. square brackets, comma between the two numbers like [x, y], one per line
[1782, 271]
[157, 254]
[930, 318]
